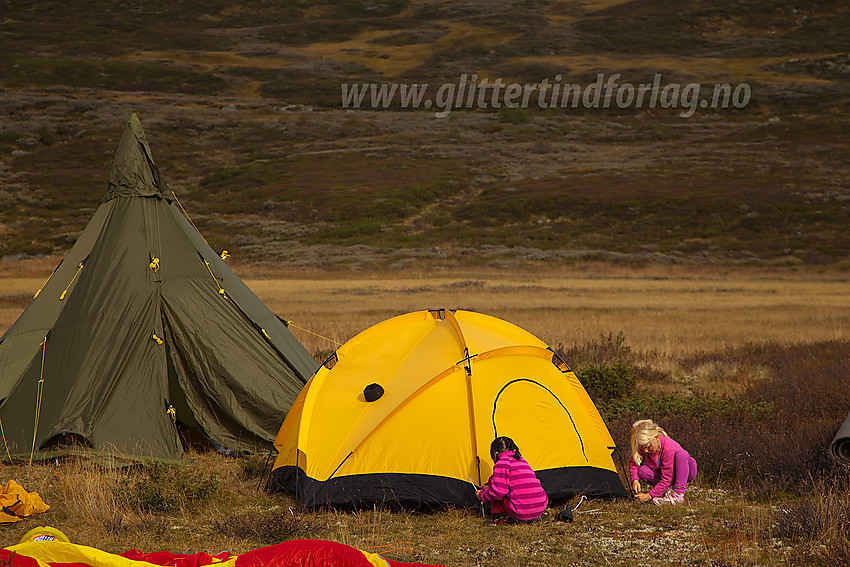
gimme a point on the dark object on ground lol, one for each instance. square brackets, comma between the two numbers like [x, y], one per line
[839, 449]
[565, 515]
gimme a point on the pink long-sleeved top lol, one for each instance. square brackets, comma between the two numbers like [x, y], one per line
[514, 482]
[660, 461]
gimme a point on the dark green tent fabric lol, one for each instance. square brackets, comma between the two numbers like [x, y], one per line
[143, 316]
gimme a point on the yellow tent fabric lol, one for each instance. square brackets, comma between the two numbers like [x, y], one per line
[449, 383]
[304, 553]
[44, 533]
[53, 552]
[16, 503]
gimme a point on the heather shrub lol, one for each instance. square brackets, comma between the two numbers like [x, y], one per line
[269, 527]
[255, 465]
[606, 350]
[822, 516]
[774, 436]
[603, 366]
[698, 407]
[608, 382]
[164, 488]
[823, 512]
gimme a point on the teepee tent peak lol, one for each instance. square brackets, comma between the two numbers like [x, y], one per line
[134, 173]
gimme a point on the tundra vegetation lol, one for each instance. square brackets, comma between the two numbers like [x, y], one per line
[689, 263]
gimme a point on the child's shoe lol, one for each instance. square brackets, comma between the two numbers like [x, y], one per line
[671, 498]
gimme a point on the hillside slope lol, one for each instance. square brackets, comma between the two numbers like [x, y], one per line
[244, 107]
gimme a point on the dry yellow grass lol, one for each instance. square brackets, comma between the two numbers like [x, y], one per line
[669, 316]
[708, 69]
[666, 312]
[394, 60]
[95, 506]
[673, 311]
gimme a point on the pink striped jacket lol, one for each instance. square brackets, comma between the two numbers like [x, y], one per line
[514, 482]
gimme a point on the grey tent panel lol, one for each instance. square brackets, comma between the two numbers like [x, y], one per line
[839, 449]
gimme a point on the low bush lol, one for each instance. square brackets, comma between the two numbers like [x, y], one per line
[822, 516]
[164, 488]
[678, 406]
[608, 382]
[255, 465]
[268, 527]
[508, 115]
[771, 439]
[823, 512]
[607, 349]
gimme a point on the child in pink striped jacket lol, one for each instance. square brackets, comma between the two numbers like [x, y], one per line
[514, 491]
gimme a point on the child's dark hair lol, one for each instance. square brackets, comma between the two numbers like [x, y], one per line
[502, 444]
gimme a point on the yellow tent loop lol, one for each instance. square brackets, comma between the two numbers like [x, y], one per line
[157, 339]
[291, 324]
[5, 444]
[45, 282]
[215, 279]
[80, 269]
[158, 238]
[225, 254]
[220, 289]
[188, 218]
[154, 265]
[172, 413]
[38, 400]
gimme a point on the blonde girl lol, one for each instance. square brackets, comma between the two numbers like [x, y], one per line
[660, 461]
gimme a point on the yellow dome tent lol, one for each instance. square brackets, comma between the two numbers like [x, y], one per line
[405, 413]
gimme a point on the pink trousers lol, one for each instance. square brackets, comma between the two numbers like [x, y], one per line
[684, 471]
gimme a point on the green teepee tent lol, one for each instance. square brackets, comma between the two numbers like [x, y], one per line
[142, 329]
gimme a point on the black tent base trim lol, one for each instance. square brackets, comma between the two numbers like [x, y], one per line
[421, 491]
[418, 491]
[563, 483]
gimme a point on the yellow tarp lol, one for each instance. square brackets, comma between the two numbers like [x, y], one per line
[38, 552]
[16, 503]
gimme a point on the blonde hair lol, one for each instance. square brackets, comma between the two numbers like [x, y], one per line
[643, 432]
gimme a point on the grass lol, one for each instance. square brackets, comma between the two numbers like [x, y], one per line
[111, 75]
[571, 187]
[89, 504]
[683, 341]
[245, 123]
[664, 313]
[690, 269]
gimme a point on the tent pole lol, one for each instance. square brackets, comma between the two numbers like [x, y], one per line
[263, 473]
